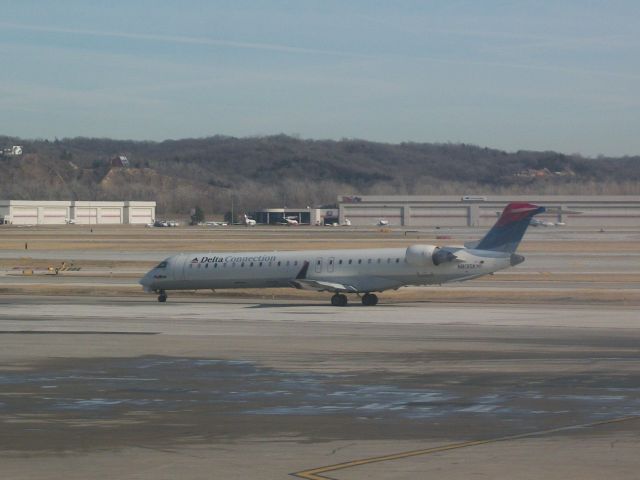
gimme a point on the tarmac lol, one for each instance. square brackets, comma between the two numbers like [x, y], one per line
[129, 388]
[503, 384]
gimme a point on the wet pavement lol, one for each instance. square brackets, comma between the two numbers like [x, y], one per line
[164, 400]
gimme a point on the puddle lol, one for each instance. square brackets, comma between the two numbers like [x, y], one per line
[110, 388]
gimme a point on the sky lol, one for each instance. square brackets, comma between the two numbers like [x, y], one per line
[514, 75]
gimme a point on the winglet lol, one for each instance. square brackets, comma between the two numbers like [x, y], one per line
[302, 274]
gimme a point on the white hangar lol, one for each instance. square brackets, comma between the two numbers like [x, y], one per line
[482, 211]
[50, 212]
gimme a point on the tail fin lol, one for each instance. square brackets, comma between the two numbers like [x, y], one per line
[506, 234]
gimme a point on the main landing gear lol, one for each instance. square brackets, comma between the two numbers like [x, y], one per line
[340, 300]
[369, 299]
[162, 297]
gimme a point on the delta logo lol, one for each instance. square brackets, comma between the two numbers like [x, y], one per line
[206, 259]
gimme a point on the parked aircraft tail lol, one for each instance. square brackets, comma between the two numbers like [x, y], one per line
[506, 234]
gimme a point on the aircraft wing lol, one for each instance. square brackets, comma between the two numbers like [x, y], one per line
[350, 284]
[322, 285]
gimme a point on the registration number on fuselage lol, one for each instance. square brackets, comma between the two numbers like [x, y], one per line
[468, 266]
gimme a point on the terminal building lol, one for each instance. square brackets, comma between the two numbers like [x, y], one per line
[482, 211]
[50, 212]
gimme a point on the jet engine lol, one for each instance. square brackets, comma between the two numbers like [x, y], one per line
[423, 255]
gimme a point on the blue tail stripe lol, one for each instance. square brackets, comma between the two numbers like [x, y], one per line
[507, 237]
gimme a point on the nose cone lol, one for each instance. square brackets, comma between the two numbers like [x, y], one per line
[147, 282]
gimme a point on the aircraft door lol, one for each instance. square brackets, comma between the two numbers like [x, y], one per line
[330, 265]
[179, 269]
[319, 265]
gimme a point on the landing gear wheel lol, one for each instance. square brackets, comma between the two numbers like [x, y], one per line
[369, 299]
[162, 297]
[339, 300]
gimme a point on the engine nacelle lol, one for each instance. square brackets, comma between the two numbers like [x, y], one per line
[423, 255]
[420, 255]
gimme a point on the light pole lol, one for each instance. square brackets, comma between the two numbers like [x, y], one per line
[232, 216]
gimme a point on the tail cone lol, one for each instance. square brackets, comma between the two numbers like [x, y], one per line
[516, 259]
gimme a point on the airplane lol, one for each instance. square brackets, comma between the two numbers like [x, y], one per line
[249, 222]
[289, 221]
[164, 223]
[355, 271]
[534, 222]
[382, 223]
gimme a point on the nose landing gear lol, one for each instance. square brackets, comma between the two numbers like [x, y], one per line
[162, 297]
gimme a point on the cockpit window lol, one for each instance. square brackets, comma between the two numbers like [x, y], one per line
[162, 265]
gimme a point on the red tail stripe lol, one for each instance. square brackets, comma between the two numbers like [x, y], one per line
[515, 212]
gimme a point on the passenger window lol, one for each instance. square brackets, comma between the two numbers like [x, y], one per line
[279, 263]
[242, 264]
[339, 262]
[369, 261]
[260, 264]
[215, 265]
[206, 265]
[378, 260]
[251, 264]
[388, 260]
[359, 260]
[350, 261]
[397, 260]
[288, 263]
[295, 262]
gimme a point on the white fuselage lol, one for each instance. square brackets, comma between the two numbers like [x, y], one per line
[363, 270]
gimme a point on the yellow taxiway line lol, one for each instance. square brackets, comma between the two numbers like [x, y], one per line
[316, 473]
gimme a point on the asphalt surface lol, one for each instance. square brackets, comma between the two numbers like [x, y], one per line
[103, 387]
[129, 388]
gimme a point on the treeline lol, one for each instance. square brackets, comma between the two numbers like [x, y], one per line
[283, 170]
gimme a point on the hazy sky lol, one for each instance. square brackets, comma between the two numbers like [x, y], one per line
[507, 74]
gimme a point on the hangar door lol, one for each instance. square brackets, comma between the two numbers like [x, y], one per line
[110, 215]
[24, 215]
[86, 215]
[54, 215]
[141, 215]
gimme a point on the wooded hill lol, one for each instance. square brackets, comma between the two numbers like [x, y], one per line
[281, 170]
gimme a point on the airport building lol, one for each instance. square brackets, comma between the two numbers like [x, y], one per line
[49, 212]
[304, 216]
[482, 211]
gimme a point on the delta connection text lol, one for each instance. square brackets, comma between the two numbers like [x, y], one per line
[232, 259]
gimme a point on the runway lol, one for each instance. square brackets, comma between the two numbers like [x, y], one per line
[125, 387]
